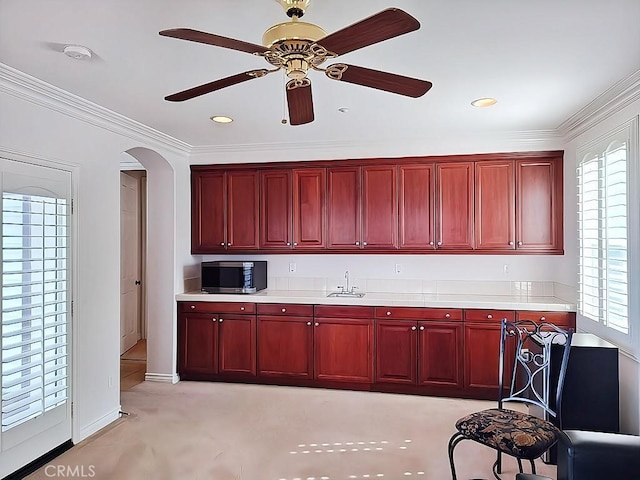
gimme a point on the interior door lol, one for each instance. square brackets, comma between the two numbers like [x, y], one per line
[35, 370]
[129, 261]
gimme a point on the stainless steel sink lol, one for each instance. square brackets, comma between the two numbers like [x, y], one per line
[346, 294]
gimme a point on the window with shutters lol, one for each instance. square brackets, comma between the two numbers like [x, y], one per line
[608, 210]
[34, 306]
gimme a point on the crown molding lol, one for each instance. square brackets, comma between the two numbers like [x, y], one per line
[611, 101]
[24, 86]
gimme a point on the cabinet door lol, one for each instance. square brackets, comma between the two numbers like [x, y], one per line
[416, 207]
[495, 205]
[440, 354]
[379, 207]
[197, 344]
[309, 204]
[285, 346]
[454, 205]
[396, 352]
[343, 204]
[237, 345]
[343, 350]
[275, 209]
[208, 209]
[242, 209]
[539, 205]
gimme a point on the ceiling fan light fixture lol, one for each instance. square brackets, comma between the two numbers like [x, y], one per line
[484, 102]
[221, 119]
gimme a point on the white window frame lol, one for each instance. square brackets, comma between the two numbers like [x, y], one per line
[628, 343]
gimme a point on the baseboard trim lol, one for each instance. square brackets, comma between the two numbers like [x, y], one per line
[162, 377]
[99, 424]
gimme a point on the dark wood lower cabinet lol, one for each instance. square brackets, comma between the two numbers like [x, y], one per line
[440, 354]
[285, 347]
[237, 345]
[396, 351]
[197, 344]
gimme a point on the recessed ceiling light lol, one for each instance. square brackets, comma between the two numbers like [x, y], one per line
[77, 52]
[484, 102]
[221, 119]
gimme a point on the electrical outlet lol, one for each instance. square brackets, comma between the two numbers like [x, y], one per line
[292, 267]
[398, 268]
[505, 269]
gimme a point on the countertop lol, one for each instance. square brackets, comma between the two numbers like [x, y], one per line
[495, 302]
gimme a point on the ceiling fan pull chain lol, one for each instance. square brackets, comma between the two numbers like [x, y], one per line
[284, 101]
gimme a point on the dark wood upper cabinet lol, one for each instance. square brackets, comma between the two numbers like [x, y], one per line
[454, 205]
[276, 209]
[208, 211]
[343, 207]
[539, 205]
[379, 207]
[416, 207]
[309, 207]
[242, 209]
[495, 204]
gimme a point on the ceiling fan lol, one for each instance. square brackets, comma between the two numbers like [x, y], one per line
[297, 47]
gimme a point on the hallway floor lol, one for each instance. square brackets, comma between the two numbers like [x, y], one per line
[133, 365]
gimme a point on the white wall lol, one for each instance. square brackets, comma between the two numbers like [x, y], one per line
[40, 127]
[568, 266]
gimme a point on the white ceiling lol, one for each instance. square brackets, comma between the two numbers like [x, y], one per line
[544, 60]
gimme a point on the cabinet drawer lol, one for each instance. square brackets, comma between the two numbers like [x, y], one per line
[217, 307]
[488, 315]
[563, 319]
[285, 309]
[418, 313]
[343, 311]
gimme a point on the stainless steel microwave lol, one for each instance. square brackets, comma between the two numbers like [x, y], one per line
[234, 276]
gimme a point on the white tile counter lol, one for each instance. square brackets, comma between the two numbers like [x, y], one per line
[495, 302]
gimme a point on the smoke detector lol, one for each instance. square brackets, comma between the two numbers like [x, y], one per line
[77, 52]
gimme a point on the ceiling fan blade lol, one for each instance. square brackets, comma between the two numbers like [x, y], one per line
[389, 82]
[217, 85]
[211, 39]
[377, 28]
[300, 102]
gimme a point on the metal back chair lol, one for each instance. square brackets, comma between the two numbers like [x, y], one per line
[525, 362]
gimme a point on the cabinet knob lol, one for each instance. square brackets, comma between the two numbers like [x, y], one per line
[357, 243]
[364, 243]
[192, 307]
[511, 243]
[220, 320]
[284, 310]
[229, 244]
[489, 316]
[222, 244]
[388, 313]
[447, 315]
[421, 327]
[242, 309]
[413, 328]
[519, 244]
[439, 244]
[288, 244]
[431, 243]
[295, 244]
[542, 319]
[316, 324]
[214, 319]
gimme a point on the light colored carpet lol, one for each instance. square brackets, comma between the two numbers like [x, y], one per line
[199, 430]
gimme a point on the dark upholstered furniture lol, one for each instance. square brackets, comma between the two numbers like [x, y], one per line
[595, 456]
[525, 376]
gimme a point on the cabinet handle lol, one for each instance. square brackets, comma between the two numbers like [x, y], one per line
[413, 328]
[214, 319]
[448, 315]
[519, 244]
[357, 243]
[511, 243]
[308, 324]
[439, 244]
[489, 316]
[388, 313]
[229, 244]
[542, 319]
[364, 243]
[288, 244]
[316, 324]
[192, 307]
[431, 243]
[222, 244]
[220, 320]
[242, 309]
[295, 244]
[284, 310]
[421, 327]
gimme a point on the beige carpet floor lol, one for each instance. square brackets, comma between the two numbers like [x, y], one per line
[199, 430]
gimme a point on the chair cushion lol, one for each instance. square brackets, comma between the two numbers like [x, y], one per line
[514, 433]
